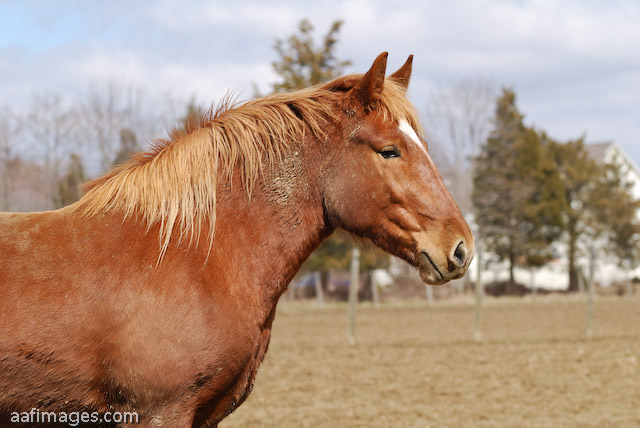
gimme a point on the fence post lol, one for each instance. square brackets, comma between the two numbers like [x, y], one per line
[590, 290]
[319, 294]
[429, 291]
[477, 332]
[353, 294]
[375, 291]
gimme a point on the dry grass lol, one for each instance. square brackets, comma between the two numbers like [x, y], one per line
[416, 366]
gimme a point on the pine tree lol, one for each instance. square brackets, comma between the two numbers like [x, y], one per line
[615, 215]
[517, 193]
[541, 210]
[193, 114]
[578, 173]
[301, 64]
[128, 146]
[69, 188]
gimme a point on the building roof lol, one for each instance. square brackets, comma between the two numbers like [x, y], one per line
[605, 152]
[597, 150]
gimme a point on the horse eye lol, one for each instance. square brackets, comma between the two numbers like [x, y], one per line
[388, 154]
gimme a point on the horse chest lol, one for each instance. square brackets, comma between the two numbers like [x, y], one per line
[224, 387]
[207, 377]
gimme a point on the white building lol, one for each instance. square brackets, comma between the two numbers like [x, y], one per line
[555, 274]
[613, 153]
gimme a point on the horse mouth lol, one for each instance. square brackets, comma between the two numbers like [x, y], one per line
[429, 271]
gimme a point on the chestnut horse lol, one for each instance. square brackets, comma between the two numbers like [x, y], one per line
[156, 292]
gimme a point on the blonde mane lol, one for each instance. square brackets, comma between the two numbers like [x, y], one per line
[175, 182]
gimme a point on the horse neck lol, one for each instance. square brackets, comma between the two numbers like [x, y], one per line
[265, 237]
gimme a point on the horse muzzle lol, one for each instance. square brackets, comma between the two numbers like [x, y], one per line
[437, 268]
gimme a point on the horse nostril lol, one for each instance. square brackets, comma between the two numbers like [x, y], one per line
[460, 254]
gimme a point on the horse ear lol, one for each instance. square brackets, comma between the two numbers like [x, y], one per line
[403, 74]
[368, 89]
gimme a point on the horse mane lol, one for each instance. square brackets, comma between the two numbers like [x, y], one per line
[175, 182]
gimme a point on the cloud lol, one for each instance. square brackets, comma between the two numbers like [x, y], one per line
[574, 65]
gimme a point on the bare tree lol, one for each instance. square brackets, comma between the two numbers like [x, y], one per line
[148, 117]
[102, 119]
[458, 121]
[108, 108]
[110, 120]
[51, 125]
[10, 127]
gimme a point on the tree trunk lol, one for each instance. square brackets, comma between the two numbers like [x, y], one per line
[512, 262]
[5, 173]
[573, 272]
[533, 285]
[6, 189]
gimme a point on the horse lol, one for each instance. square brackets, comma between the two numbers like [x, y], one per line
[155, 293]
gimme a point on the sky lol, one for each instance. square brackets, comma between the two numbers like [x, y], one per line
[574, 65]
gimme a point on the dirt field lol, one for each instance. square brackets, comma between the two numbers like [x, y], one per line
[416, 366]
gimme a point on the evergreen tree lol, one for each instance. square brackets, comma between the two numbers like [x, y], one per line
[194, 112]
[615, 215]
[302, 64]
[543, 205]
[517, 192]
[69, 188]
[578, 173]
[128, 146]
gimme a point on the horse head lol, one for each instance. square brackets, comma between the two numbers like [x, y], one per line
[380, 183]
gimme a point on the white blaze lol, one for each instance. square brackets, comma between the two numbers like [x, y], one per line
[409, 132]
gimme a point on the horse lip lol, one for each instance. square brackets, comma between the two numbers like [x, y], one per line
[424, 252]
